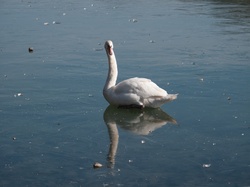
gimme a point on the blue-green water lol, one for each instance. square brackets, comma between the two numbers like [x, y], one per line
[54, 121]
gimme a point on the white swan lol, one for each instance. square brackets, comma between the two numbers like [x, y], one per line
[133, 92]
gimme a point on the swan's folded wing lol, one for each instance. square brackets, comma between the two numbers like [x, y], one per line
[140, 86]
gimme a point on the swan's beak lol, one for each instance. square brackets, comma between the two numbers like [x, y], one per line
[110, 51]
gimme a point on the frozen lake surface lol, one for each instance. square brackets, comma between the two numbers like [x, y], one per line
[55, 123]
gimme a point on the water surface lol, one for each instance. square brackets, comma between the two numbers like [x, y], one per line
[55, 122]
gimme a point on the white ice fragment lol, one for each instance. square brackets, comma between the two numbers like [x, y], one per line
[206, 165]
[56, 22]
[46, 23]
[143, 141]
[18, 95]
[133, 20]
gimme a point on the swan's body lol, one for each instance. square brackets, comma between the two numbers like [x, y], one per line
[133, 92]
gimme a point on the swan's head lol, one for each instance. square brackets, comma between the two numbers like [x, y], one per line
[109, 47]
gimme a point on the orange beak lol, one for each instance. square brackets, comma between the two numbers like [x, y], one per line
[110, 51]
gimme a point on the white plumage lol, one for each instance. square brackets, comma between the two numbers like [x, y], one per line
[133, 92]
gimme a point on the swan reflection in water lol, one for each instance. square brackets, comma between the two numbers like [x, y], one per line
[141, 122]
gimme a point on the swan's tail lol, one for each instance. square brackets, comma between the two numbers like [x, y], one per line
[171, 97]
[155, 102]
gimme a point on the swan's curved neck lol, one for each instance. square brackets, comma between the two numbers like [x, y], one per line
[112, 73]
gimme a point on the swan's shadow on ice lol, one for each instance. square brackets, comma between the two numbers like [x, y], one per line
[141, 122]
